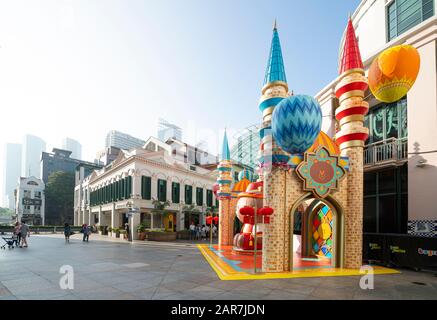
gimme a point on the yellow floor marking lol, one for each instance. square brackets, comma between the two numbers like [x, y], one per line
[226, 272]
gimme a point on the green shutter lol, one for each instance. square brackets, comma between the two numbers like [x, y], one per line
[175, 192]
[199, 196]
[162, 190]
[209, 198]
[146, 186]
[188, 194]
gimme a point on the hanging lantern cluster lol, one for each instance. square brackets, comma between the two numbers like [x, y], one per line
[211, 220]
[263, 214]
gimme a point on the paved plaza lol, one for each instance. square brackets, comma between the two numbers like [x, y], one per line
[147, 270]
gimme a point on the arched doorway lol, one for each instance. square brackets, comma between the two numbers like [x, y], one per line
[317, 225]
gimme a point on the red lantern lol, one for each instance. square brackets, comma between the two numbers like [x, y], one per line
[265, 211]
[208, 220]
[247, 211]
[266, 219]
[215, 219]
[215, 188]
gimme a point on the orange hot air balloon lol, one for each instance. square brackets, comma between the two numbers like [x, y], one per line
[393, 72]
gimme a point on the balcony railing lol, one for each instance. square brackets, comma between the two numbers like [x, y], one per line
[387, 151]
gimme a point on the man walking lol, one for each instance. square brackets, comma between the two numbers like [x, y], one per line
[25, 232]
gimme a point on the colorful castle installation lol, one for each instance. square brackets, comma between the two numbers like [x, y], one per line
[310, 191]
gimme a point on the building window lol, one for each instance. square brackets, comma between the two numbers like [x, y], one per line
[199, 196]
[387, 120]
[403, 15]
[128, 187]
[188, 194]
[386, 200]
[175, 192]
[146, 188]
[209, 198]
[162, 190]
[38, 194]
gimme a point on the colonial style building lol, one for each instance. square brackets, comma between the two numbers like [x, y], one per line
[138, 178]
[30, 199]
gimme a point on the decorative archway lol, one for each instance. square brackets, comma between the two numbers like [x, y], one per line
[307, 221]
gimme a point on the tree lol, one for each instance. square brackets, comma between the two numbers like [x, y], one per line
[59, 195]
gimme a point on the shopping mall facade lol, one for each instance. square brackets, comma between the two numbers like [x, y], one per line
[400, 157]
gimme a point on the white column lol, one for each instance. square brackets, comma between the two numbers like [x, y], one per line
[169, 190]
[114, 224]
[136, 184]
[100, 215]
[89, 218]
[154, 187]
[134, 221]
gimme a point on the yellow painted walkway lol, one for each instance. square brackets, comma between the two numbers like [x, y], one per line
[226, 272]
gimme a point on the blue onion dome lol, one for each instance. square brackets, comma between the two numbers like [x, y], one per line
[245, 174]
[296, 123]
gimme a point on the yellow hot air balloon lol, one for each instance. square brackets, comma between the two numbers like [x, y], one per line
[393, 72]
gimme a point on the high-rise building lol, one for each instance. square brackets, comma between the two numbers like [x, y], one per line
[31, 151]
[245, 150]
[74, 146]
[122, 140]
[11, 173]
[60, 160]
[167, 130]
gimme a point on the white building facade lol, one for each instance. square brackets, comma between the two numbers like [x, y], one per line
[400, 160]
[134, 180]
[30, 200]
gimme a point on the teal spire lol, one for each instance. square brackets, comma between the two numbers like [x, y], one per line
[275, 67]
[226, 155]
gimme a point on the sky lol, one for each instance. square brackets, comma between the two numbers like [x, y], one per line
[79, 68]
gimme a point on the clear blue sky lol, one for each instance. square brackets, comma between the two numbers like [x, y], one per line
[81, 68]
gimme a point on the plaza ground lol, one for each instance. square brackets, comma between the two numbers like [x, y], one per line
[114, 269]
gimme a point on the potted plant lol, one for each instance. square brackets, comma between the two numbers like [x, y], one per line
[117, 232]
[141, 230]
[110, 230]
[122, 233]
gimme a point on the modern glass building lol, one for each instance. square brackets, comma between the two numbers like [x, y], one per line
[245, 150]
[74, 146]
[122, 140]
[31, 151]
[400, 155]
[167, 130]
[11, 173]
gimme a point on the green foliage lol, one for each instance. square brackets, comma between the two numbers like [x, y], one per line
[141, 227]
[6, 212]
[59, 194]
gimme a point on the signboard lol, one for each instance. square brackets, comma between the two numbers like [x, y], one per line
[31, 202]
[320, 172]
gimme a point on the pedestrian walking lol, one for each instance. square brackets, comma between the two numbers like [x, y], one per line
[203, 233]
[192, 231]
[86, 232]
[214, 231]
[17, 234]
[198, 231]
[25, 232]
[126, 227]
[67, 232]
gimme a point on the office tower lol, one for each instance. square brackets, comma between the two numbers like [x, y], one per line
[11, 173]
[166, 131]
[74, 146]
[31, 151]
[122, 140]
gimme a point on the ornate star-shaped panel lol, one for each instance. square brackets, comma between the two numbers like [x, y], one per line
[320, 172]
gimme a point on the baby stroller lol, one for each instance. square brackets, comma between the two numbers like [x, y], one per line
[8, 242]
